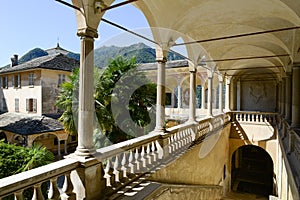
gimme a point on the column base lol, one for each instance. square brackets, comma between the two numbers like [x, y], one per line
[84, 152]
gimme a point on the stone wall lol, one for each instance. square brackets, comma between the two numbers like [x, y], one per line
[203, 165]
[258, 96]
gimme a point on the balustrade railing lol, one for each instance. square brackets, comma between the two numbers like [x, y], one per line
[121, 163]
[249, 116]
[32, 181]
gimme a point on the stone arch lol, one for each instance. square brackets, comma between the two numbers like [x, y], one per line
[252, 170]
[47, 140]
[3, 136]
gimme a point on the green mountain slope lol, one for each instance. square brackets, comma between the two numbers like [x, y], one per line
[142, 52]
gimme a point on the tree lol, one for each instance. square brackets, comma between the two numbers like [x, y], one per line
[123, 101]
[15, 159]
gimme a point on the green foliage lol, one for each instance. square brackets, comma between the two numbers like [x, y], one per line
[15, 159]
[119, 86]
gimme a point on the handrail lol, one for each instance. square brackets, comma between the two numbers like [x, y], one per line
[38, 175]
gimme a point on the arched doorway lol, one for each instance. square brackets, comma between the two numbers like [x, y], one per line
[3, 136]
[252, 170]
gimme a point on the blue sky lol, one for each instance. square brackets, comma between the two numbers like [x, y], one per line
[27, 24]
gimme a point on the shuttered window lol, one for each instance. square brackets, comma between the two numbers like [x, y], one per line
[31, 105]
[17, 105]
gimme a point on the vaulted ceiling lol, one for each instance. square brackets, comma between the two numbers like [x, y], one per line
[251, 44]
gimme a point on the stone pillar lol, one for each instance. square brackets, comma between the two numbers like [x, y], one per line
[58, 148]
[296, 97]
[238, 95]
[203, 95]
[192, 103]
[209, 96]
[86, 91]
[278, 96]
[233, 95]
[160, 98]
[227, 95]
[220, 94]
[288, 97]
[179, 91]
[66, 146]
[283, 97]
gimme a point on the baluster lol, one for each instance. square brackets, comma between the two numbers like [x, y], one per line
[159, 150]
[137, 162]
[149, 155]
[184, 137]
[261, 117]
[37, 192]
[19, 195]
[179, 139]
[154, 154]
[106, 173]
[175, 142]
[143, 157]
[68, 188]
[53, 190]
[130, 162]
[116, 171]
[170, 145]
[123, 168]
[257, 118]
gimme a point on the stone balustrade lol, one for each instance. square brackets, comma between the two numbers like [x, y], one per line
[250, 116]
[32, 180]
[120, 164]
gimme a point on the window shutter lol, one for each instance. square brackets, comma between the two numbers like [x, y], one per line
[34, 105]
[12, 81]
[27, 104]
[19, 80]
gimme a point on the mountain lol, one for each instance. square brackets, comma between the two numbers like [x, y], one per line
[142, 52]
[34, 53]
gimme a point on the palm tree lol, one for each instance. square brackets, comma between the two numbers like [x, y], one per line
[119, 89]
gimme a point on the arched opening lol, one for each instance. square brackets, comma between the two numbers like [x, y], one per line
[252, 171]
[3, 137]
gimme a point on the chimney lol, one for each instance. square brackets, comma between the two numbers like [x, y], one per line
[14, 60]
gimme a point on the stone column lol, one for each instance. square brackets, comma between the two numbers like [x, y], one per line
[288, 97]
[283, 97]
[66, 146]
[192, 103]
[233, 95]
[238, 95]
[227, 94]
[220, 94]
[203, 95]
[209, 96]
[58, 148]
[296, 97]
[278, 97]
[160, 98]
[179, 91]
[86, 90]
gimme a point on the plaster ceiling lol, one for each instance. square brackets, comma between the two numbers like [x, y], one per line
[206, 19]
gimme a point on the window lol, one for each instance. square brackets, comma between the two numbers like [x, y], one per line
[61, 79]
[168, 99]
[4, 106]
[17, 105]
[4, 82]
[17, 81]
[31, 79]
[31, 105]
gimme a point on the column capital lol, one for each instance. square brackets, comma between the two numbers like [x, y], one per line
[87, 32]
[161, 59]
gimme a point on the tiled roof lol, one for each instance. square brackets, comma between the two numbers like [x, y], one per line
[26, 124]
[169, 64]
[54, 62]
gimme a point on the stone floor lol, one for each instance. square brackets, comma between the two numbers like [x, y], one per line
[243, 196]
